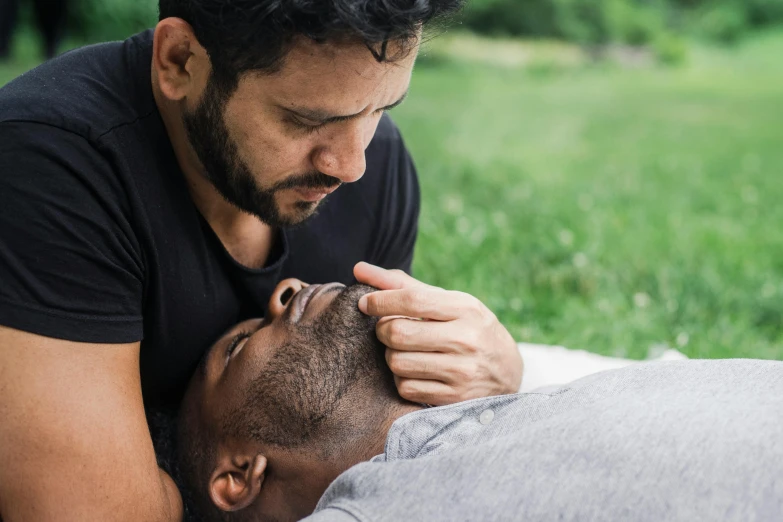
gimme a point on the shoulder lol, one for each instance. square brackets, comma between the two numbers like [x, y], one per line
[88, 91]
[386, 145]
[387, 131]
[389, 163]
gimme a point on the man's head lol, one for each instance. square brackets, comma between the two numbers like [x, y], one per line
[280, 407]
[280, 98]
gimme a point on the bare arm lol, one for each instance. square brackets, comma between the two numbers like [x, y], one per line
[74, 443]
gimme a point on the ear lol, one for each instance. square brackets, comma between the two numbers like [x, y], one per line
[236, 481]
[181, 63]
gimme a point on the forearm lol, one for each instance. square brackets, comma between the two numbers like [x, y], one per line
[164, 507]
[172, 500]
[74, 442]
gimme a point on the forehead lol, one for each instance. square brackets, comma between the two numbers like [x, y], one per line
[335, 75]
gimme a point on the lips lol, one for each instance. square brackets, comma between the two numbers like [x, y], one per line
[304, 297]
[315, 195]
[301, 300]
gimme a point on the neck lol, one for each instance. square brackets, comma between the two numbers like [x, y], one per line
[360, 434]
[352, 438]
[245, 237]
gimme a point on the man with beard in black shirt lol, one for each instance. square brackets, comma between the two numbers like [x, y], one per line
[148, 195]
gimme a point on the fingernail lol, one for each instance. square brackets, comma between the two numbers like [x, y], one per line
[363, 304]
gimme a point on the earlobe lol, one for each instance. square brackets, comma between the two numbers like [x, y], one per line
[173, 56]
[236, 481]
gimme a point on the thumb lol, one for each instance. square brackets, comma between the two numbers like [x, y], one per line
[383, 279]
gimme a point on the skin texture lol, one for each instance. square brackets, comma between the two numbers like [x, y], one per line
[75, 410]
[284, 479]
[458, 352]
[338, 80]
[280, 437]
[274, 143]
[74, 443]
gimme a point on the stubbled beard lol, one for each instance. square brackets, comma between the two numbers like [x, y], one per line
[208, 135]
[290, 402]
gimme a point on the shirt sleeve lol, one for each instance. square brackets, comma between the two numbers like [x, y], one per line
[331, 514]
[399, 224]
[70, 264]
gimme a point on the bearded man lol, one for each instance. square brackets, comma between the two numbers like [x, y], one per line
[299, 412]
[149, 191]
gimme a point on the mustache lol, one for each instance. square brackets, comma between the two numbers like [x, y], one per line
[311, 180]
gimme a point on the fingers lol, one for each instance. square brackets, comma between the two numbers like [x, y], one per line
[411, 335]
[426, 392]
[445, 368]
[421, 302]
[383, 279]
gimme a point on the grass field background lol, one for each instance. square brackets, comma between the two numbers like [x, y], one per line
[619, 209]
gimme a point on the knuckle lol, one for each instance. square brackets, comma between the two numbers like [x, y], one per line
[471, 304]
[382, 332]
[396, 361]
[490, 321]
[374, 302]
[471, 342]
[452, 396]
[415, 296]
[399, 333]
[464, 373]
[477, 338]
[460, 375]
[408, 390]
[479, 309]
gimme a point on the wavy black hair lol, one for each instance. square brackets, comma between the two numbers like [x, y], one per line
[255, 35]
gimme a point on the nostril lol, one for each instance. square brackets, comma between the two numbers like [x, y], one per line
[286, 296]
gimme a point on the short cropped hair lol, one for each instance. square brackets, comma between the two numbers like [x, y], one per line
[255, 35]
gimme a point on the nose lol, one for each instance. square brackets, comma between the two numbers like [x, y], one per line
[282, 296]
[343, 156]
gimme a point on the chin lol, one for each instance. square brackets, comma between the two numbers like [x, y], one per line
[297, 213]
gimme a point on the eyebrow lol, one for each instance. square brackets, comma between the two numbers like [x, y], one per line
[324, 117]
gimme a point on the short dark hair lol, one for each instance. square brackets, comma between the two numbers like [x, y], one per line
[255, 35]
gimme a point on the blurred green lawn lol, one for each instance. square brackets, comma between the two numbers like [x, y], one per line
[611, 209]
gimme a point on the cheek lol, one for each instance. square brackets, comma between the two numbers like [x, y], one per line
[263, 143]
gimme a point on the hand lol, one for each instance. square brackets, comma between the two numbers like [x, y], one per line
[443, 347]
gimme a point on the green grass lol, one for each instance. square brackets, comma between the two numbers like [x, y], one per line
[616, 210]
[610, 209]
[26, 53]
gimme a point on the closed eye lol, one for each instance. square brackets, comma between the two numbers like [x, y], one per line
[307, 127]
[235, 343]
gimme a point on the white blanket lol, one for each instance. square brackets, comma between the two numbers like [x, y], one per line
[555, 365]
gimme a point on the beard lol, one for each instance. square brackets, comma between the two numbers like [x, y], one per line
[305, 382]
[229, 174]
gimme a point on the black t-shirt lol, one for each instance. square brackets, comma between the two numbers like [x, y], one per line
[100, 241]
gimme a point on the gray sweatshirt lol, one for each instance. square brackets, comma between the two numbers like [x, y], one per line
[686, 440]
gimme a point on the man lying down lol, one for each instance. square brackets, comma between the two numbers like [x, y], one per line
[299, 413]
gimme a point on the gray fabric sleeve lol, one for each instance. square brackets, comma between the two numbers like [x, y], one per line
[333, 514]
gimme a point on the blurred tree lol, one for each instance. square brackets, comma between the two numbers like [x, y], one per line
[50, 16]
[724, 22]
[590, 22]
[512, 17]
[97, 20]
[634, 22]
